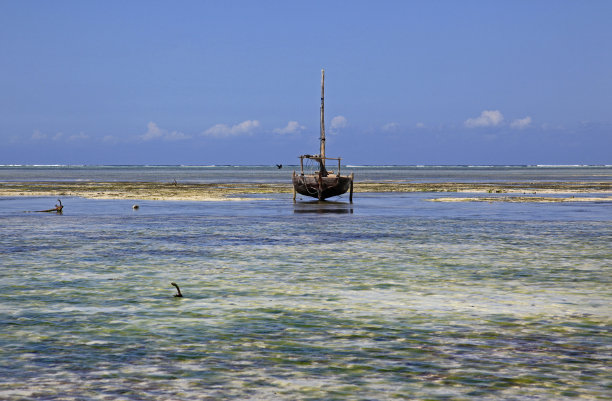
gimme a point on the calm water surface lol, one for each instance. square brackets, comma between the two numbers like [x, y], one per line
[393, 297]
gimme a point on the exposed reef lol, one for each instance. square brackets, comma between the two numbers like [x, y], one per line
[238, 191]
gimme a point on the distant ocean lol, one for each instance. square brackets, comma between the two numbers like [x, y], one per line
[272, 174]
[391, 297]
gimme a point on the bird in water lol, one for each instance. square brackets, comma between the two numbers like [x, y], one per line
[279, 166]
[178, 294]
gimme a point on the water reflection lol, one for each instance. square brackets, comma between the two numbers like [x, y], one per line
[323, 207]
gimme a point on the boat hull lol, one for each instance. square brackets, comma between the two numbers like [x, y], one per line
[321, 187]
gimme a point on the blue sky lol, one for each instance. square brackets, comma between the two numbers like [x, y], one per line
[238, 82]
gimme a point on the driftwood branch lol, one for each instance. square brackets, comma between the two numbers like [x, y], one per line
[57, 208]
[178, 294]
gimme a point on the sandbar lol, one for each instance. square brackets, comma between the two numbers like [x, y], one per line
[513, 191]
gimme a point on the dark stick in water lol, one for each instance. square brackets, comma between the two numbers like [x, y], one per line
[178, 294]
[57, 208]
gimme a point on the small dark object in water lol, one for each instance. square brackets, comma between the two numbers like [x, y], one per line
[178, 294]
[58, 208]
[135, 207]
[279, 166]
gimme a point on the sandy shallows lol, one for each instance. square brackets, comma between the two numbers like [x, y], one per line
[237, 191]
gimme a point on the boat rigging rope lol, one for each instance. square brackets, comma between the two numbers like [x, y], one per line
[310, 168]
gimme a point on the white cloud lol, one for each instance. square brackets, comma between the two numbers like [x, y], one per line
[293, 127]
[176, 136]
[390, 127]
[78, 137]
[521, 123]
[488, 118]
[38, 136]
[337, 123]
[244, 128]
[155, 132]
[110, 139]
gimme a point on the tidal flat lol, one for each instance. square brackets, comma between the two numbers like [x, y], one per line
[238, 191]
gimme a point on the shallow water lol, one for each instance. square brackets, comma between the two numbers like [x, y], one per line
[391, 297]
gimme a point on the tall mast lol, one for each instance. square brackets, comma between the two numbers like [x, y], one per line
[322, 154]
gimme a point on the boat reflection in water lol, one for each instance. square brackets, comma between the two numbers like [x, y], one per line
[323, 207]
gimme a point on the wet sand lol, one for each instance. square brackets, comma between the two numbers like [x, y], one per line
[514, 191]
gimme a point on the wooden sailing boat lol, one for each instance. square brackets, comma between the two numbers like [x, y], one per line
[322, 184]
